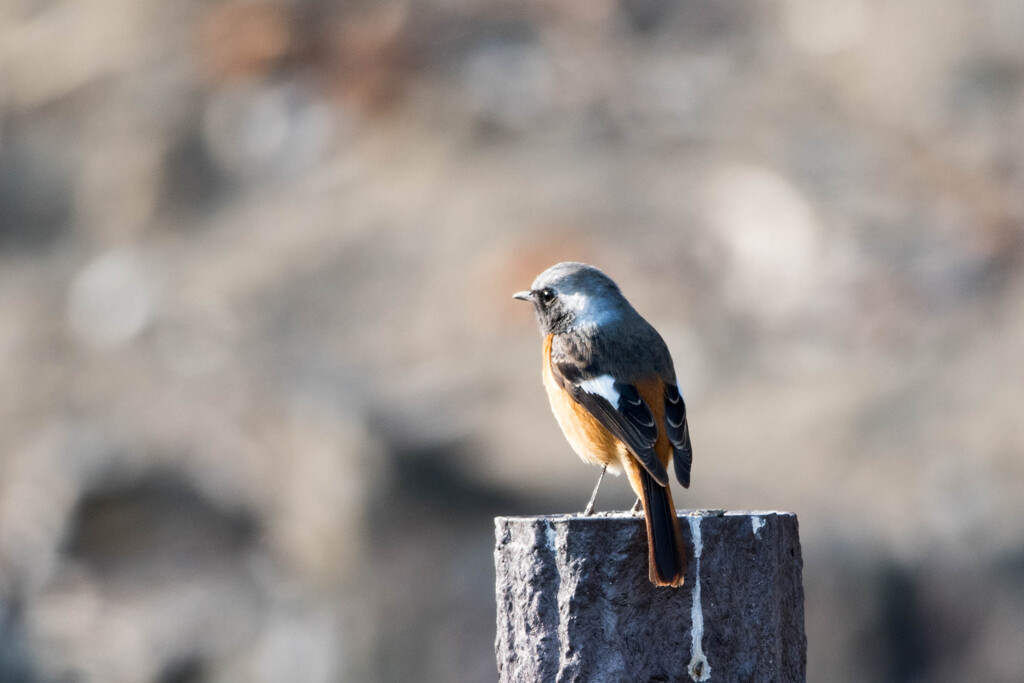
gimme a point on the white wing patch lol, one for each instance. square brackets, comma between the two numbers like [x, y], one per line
[602, 386]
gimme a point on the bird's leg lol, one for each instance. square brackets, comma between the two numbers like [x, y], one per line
[589, 510]
[636, 506]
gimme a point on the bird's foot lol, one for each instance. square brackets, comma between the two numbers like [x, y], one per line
[589, 510]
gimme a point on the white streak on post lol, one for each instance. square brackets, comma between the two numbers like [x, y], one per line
[698, 668]
[550, 536]
[756, 522]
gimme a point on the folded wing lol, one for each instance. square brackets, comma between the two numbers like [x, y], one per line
[619, 407]
[678, 433]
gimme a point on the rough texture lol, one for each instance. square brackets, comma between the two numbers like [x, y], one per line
[575, 604]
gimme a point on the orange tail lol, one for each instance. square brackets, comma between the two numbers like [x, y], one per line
[666, 553]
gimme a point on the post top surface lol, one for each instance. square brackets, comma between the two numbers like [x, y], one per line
[626, 514]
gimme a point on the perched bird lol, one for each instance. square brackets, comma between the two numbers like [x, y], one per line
[613, 389]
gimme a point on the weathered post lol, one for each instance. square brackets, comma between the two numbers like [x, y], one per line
[575, 603]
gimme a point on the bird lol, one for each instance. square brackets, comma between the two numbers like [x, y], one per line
[612, 386]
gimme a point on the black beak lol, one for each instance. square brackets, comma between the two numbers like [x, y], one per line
[523, 296]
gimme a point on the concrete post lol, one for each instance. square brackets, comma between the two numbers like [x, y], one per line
[575, 603]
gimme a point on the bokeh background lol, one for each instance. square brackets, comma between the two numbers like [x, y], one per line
[263, 387]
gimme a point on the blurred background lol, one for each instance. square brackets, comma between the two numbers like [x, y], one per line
[264, 387]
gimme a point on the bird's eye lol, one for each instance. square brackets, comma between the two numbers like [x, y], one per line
[547, 296]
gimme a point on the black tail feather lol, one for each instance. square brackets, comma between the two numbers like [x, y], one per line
[666, 556]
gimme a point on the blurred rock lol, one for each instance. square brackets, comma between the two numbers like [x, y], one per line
[42, 65]
[256, 131]
[821, 29]
[507, 77]
[773, 238]
[35, 190]
[242, 39]
[113, 299]
[193, 182]
[15, 659]
[262, 253]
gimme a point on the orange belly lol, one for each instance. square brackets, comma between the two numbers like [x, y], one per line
[588, 437]
[591, 441]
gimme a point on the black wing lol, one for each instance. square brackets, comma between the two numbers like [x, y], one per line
[678, 433]
[630, 420]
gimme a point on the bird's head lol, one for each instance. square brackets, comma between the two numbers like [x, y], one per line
[568, 296]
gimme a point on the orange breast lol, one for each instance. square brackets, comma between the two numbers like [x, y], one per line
[591, 441]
